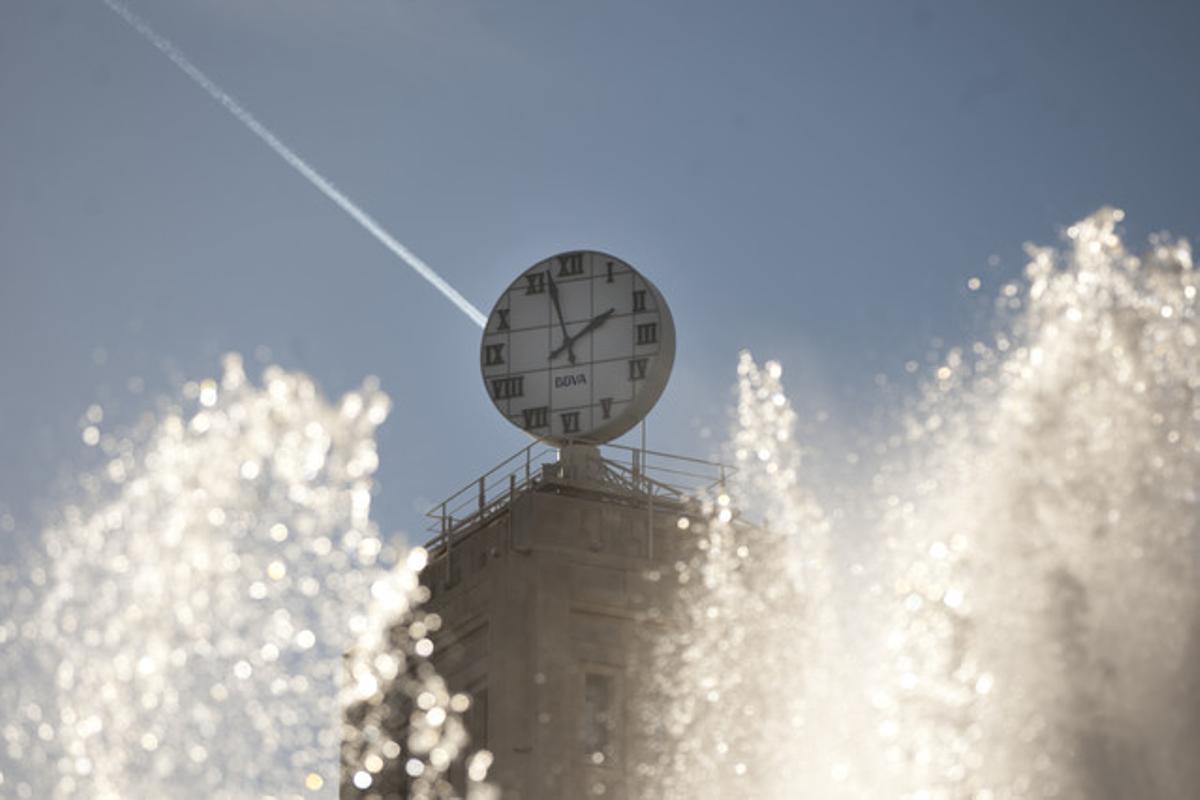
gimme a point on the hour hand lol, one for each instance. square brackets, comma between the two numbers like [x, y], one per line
[596, 322]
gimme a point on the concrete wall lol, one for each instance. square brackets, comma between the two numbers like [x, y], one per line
[552, 589]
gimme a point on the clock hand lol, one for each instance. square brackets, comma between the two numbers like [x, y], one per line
[591, 326]
[562, 324]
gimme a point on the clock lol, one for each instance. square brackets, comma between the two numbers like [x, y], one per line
[578, 348]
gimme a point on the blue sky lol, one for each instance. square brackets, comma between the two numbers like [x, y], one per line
[813, 181]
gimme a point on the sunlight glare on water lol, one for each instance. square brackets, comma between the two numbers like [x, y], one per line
[1011, 608]
[1002, 606]
[182, 632]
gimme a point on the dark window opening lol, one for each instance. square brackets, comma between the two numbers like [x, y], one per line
[599, 717]
[475, 721]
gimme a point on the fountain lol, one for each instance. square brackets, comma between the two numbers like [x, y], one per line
[1009, 608]
[1004, 607]
[182, 632]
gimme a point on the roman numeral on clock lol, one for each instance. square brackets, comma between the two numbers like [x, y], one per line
[507, 388]
[637, 369]
[493, 354]
[502, 319]
[570, 264]
[535, 283]
[639, 300]
[570, 421]
[606, 407]
[535, 417]
[608, 278]
[647, 333]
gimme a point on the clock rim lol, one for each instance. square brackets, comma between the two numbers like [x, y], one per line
[643, 402]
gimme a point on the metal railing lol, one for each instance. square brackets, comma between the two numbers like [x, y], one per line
[642, 472]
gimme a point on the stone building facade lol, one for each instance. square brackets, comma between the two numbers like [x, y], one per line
[546, 600]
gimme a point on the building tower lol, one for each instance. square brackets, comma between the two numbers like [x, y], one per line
[543, 569]
[544, 574]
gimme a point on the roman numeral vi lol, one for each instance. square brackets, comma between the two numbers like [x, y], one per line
[570, 421]
[606, 407]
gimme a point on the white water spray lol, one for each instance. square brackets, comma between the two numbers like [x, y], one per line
[1007, 607]
[196, 624]
[326, 188]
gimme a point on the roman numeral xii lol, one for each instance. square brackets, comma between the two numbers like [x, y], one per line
[570, 264]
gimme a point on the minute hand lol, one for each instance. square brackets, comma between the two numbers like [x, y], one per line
[591, 326]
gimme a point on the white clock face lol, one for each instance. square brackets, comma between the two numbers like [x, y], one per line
[578, 348]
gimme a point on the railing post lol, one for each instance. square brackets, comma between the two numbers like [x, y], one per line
[650, 522]
[631, 468]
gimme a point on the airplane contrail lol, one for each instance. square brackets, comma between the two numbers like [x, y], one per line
[172, 52]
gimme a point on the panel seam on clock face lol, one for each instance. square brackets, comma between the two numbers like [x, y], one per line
[614, 316]
[571, 408]
[508, 339]
[633, 387]
[598, 361]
